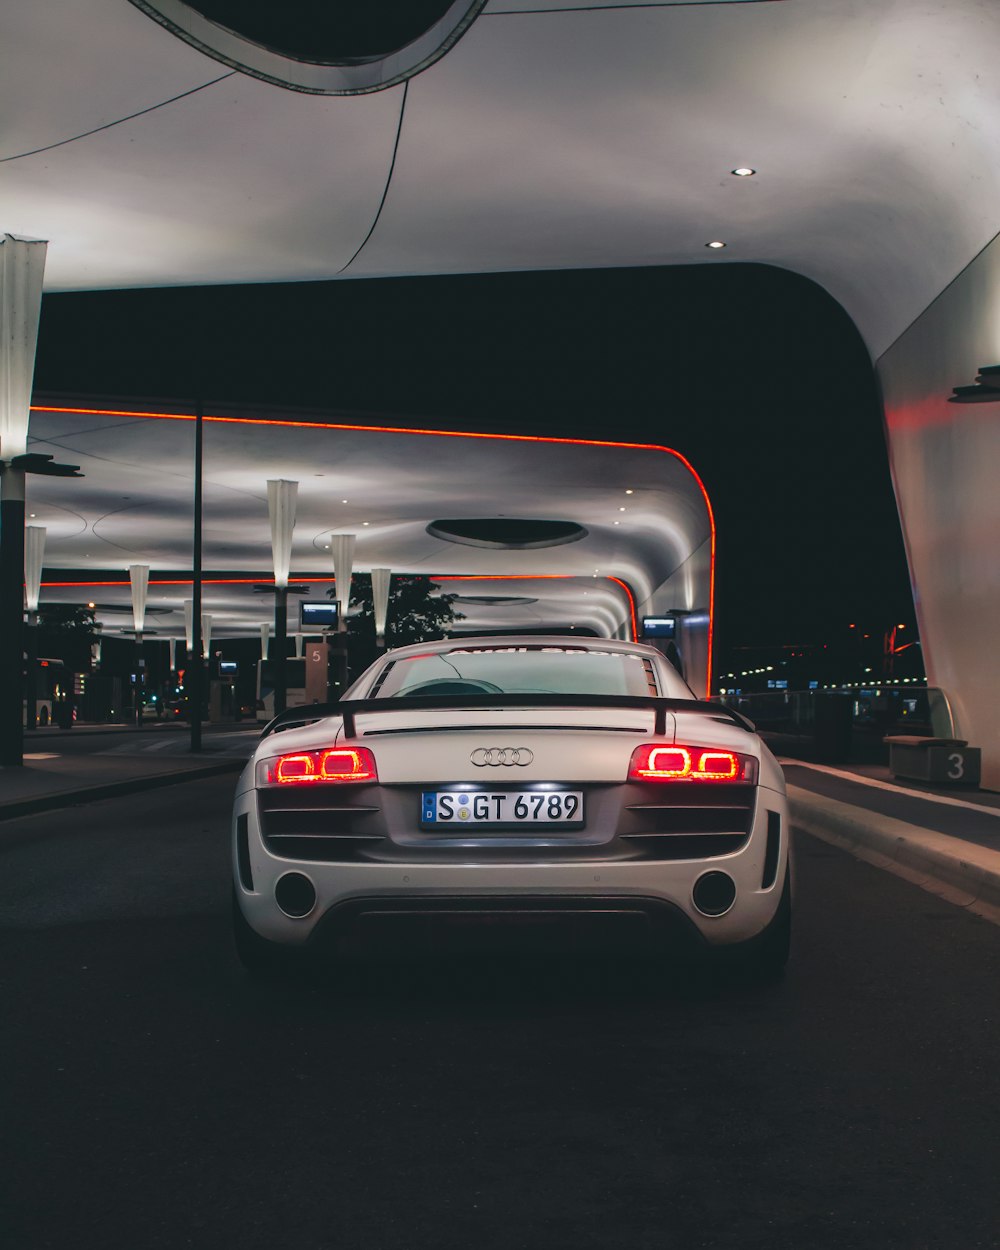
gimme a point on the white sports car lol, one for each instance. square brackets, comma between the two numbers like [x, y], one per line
[504, 779]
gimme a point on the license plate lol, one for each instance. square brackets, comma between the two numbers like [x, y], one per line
[455, 809]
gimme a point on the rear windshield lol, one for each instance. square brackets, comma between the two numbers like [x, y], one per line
[522, 670]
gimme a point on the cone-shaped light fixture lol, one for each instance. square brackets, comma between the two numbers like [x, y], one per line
[189, 623]
[281, 497]
[206, 633]
[139, 577]
[342, 550]
[34, 552]
[265, 634]
[380, 601]
[22, 266]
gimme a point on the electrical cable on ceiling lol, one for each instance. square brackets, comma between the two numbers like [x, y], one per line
[108, 125]
[385, 190]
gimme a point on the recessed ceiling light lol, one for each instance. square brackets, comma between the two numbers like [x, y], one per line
[744, 171]
[343, 501]
[616, 522]
[715, 244]
[630, 491]
[32, 514]
[621, 509]
[366, 522]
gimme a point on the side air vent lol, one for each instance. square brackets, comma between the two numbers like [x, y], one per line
[243, 852]
[772, 850]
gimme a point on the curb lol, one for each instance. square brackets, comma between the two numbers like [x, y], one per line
[964, 872]
[112, 789]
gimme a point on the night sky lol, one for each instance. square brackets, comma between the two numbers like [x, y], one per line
[754, 374]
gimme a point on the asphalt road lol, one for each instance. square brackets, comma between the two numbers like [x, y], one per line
[154, 1097]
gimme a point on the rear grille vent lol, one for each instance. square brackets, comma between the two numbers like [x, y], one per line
[323, 827]
[684, 821]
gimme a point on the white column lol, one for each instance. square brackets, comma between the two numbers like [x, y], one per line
[380, 601]
[206, 633]
[265, 633]
[189, 623]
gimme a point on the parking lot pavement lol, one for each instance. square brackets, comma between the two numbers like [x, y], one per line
[158, 1098]
[947, 842]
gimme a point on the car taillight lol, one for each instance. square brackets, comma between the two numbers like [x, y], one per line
[663, 762]
[297, 768]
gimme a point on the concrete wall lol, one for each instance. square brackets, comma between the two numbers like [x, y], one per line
[945, 461]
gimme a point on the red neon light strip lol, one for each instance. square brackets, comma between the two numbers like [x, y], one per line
[511, 438]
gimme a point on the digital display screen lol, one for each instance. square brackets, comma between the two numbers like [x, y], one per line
[316, 614]
[228, 666]
[659, 627]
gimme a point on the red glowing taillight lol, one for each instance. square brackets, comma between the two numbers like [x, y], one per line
[672, 762]
[338, 764]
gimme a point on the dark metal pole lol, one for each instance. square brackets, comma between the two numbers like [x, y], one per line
[280, 645]
[11, 615]
[31, 672]
[139, 674]
[196, 670]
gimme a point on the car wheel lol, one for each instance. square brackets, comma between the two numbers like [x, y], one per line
[263, 960]
[762, 960]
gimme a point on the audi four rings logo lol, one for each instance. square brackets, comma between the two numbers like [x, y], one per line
[508, 756]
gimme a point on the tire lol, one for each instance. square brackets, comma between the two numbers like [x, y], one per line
[263, 960]
[763, 959]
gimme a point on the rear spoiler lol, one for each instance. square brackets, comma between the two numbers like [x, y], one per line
[349, 709]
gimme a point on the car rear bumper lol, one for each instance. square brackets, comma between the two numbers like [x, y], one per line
[658, 895]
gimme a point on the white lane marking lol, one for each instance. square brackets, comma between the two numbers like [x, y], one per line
[887, 785]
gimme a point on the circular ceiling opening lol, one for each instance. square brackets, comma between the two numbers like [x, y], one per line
[345, 48]
[316, 30]
[507, 533]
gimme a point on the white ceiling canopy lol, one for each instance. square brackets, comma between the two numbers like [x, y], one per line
[551, 135]
[646, 533]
